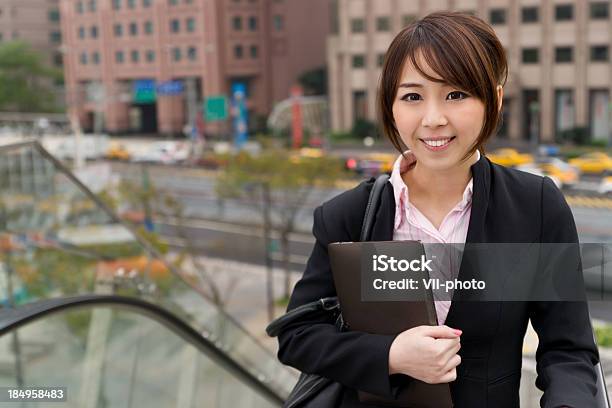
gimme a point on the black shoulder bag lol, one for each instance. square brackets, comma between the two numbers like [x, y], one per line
[311, 390]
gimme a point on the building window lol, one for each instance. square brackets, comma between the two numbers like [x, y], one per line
[192, 53]
[380, 60]
[530, 55]
[357, 25]
[599, 114]
[254, 51]
[81, 32]
[116, 4]
[176, 54]
[146, 3]
[530, 15]
[253, 23]
[133, 29]
[360, 105]
[55, 37]
[173, 2]
[119, 57]
[131, 4]
[497, 16]
[600, 10]
[54, 15]
[150, 55]
[148, 27]
[93, 31]
[599, 53]
[237, 23]
[134, 56]
[564, 110]
[278, 22]
[564, 54]
[175, 26]
[408, 19]
[190, 25]
[383, 24]
[118, 30]
[358, 61]
[84, 58]
[238, 51]
[93, 5]
[531, 113]
[564, 12]
[95, 57]
[79, 7]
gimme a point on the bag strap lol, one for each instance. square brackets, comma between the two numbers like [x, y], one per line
[373, 202]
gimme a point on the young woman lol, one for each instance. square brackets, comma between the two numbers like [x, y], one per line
[440, 100]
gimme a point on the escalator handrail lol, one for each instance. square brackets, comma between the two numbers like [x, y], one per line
[13, 318]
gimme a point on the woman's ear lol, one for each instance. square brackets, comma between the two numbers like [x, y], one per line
[500, 97]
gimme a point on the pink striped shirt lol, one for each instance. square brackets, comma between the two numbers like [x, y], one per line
[411, 224]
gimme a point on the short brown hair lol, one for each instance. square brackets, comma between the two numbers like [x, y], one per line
[463, 50]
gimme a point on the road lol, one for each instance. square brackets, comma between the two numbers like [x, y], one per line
[221, 228]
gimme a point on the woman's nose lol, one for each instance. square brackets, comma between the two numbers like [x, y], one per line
[434, 117]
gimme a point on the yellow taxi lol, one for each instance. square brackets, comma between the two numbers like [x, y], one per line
[371, 164]
[594, 162]
[306, 153]
[567, 174]
[117, 151]
[509, 157]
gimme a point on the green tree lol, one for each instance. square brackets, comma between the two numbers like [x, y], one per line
[26, 82]
[278, 184]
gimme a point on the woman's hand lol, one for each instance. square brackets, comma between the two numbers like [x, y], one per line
[427, 353]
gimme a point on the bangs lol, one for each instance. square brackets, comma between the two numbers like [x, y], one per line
[454, 60]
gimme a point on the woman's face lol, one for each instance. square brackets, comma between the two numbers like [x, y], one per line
[438, 123]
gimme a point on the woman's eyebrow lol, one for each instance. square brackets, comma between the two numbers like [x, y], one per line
[411, 85]
[418, 85]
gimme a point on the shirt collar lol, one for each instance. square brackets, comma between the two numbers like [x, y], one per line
[405, 162]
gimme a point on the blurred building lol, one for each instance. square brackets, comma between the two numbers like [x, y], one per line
[36, 22]
[560, 75]
[147, 66]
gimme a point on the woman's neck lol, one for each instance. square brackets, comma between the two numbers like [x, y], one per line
[431, 184]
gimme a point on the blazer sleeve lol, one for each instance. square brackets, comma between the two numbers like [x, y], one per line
[566, 352]
[355, 359]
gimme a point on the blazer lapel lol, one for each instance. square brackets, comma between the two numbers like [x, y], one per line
[459, 309]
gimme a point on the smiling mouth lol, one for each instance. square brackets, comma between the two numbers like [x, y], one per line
[438, 142]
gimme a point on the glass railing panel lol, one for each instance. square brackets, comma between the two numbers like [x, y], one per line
[57, 240]
[113, 357]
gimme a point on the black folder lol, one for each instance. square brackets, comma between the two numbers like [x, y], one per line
[385, 317]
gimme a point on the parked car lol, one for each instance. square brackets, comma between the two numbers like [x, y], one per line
[594, 162]
[117, 151]
[555, 167]
[509, 157]
[605, 187]
[534, 169]
[162, 152]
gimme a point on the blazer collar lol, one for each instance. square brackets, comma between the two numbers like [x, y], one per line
[385, 216]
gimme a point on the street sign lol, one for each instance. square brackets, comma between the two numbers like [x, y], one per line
[170, 88]
[215, 108]
[143, 91]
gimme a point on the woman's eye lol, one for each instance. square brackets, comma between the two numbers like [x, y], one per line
[411, 97]
[455, 95]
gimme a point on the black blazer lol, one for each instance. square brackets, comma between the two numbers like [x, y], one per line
[507, 206]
